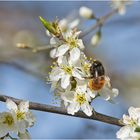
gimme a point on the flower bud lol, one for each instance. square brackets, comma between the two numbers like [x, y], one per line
[96, 38]
[86, 12]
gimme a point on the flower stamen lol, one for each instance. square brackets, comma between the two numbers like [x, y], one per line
[20, 115]
[8, 120]
[80, 98]
[67, 69]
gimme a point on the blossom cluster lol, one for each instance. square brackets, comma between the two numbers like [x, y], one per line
[70, 74]
[16, 120]
[131, 128]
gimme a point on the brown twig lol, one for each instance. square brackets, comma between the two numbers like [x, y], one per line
[53, 109]
[99, 23]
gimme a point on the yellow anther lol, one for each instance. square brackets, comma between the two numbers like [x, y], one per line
[8, 120]
[67, 69]
[80, 98]
[20, 115]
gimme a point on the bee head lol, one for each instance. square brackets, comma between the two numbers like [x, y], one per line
[97, 69]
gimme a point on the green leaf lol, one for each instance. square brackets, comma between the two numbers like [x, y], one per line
[47, 25]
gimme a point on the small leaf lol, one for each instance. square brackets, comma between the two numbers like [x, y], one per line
[47, 25]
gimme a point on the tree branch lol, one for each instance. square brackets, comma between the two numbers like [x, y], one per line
[99, 23]
[58, 110]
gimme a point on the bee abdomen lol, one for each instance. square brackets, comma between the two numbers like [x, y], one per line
[96, 84]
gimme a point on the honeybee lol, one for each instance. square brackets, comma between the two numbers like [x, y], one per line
[97, 78]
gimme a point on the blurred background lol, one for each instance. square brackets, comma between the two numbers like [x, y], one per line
[22, 73]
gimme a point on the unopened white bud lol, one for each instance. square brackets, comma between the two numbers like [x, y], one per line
[86, 12]
[122, 10]
[96, 38]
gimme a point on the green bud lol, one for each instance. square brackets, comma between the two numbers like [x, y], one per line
[47, 25]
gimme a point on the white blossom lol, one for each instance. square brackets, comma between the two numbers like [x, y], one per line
[78, 99]
[23, 115]
[7, 123]
[131, 130]
[64, 70]
[71, 43]
[17, 120]
[85, 12]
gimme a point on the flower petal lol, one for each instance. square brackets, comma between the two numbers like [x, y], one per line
[74, 55]
[56, 74]
[53, 53]
[115, 92]
[62, 61]
[62, 50]
[53, 86]
[25, 135]
[87, 109]
[81, 86]
[63, 24]
[105, 94]
[30, 118]
[134, 112]
[80, 44]
[124, 132]
[74, 23]
[65, 81]
[76, 73]
[3, 130]
[54, 41]
[126, 119]
[21, 126]
[11, 105]
[91, 93]
[24, 106]
[73, 107]
[68, 96]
